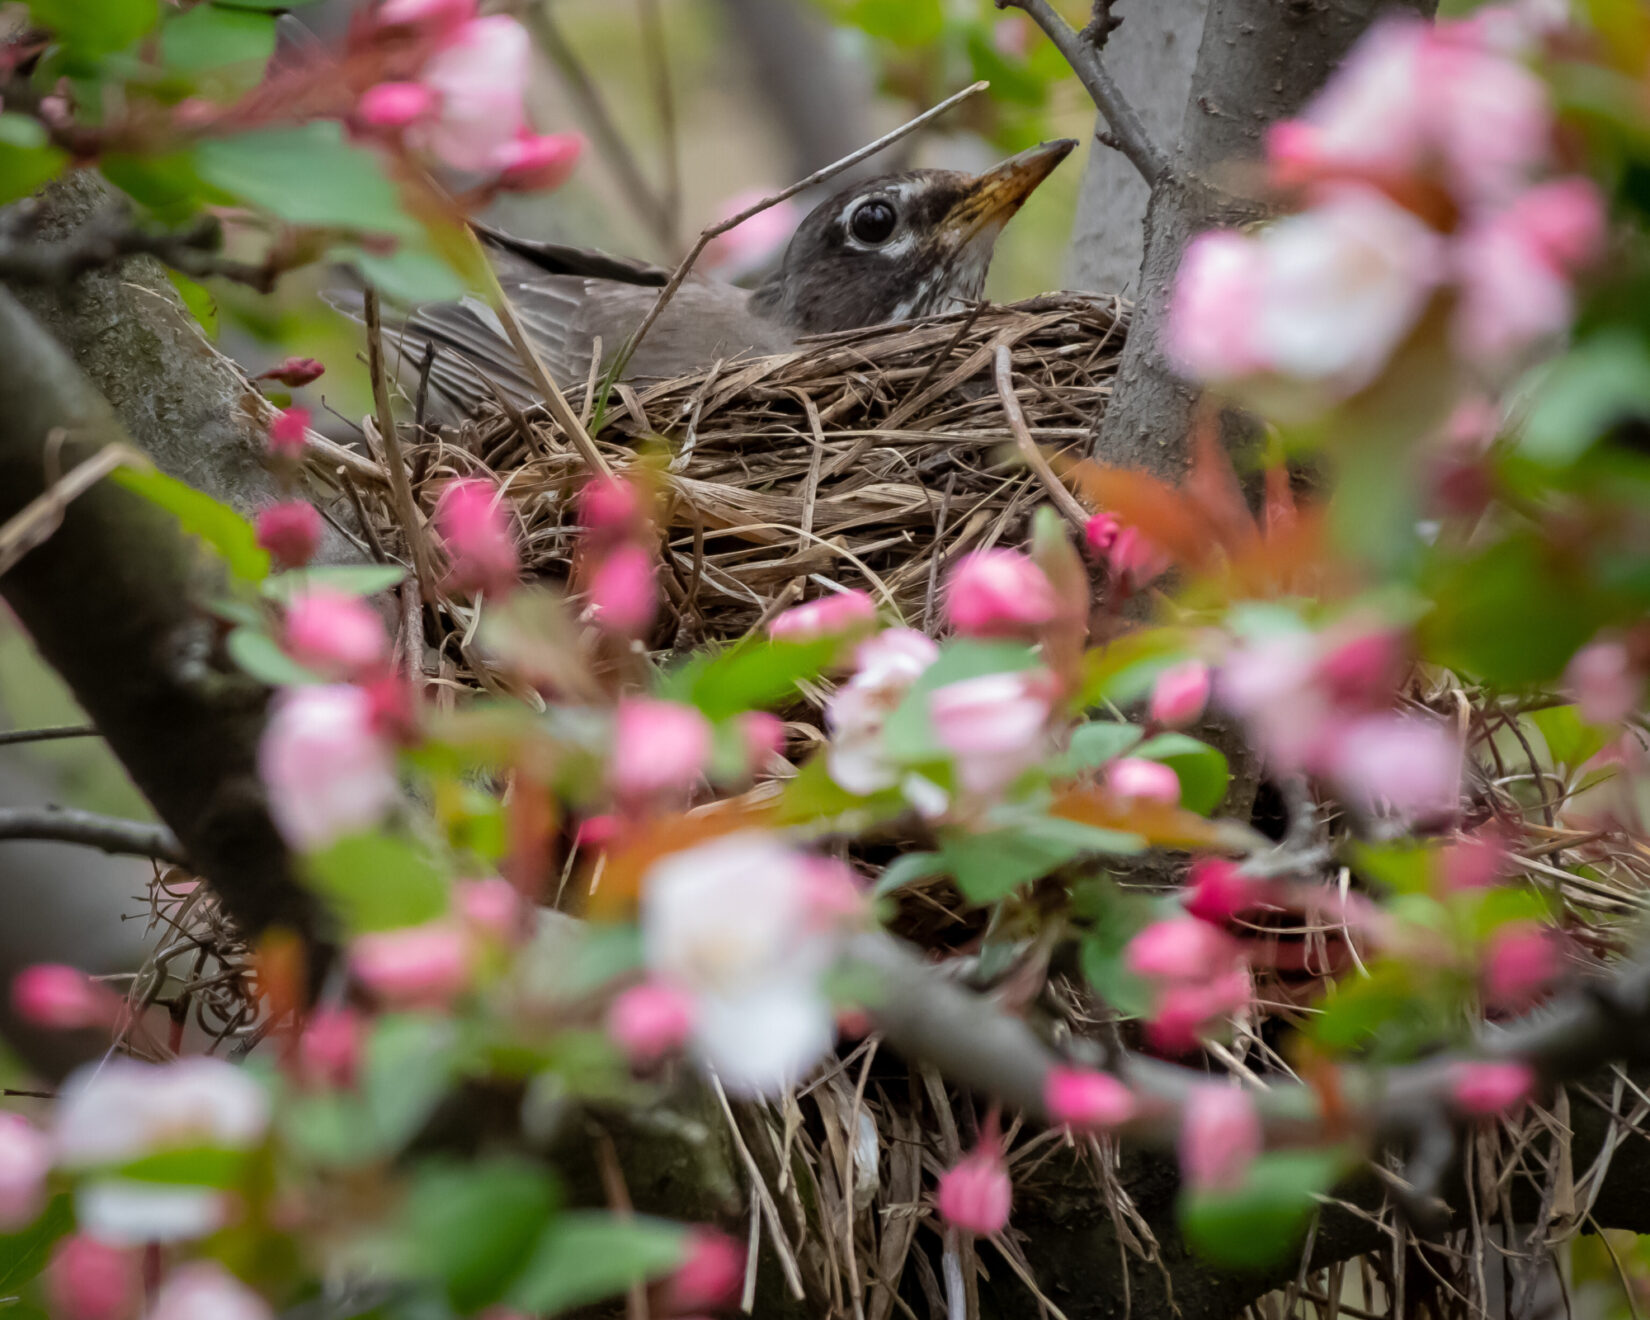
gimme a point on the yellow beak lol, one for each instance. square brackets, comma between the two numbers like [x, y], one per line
[998, 193]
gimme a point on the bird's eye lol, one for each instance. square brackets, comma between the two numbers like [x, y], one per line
[873, 222]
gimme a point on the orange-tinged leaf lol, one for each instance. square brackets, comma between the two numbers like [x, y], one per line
[1156, 822]
[1167, 518]
[619, 883]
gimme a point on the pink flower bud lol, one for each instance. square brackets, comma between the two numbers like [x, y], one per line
[829, 616]
[596, 832]
[995, 726]
[1564, 220]
[624, 595]
[329, 1050]
[492, 907]
[1217, 890]
[659, 747]
[1364, 670]
[1183, 1012]
[1180, 949]
[763, 736]
[1607, 685]
[294, 371]
[290, 532]
[204, 1290]
[1180, 694]
[438, 16]
[1486, 1089]
[975, 1194]
[999, 593]
[649, 1021]
[537, 162]
[392, 711]
[1220, 1137]
[609, 504]
[1135, 777]
[476, 530]
[25, 1160]
[336, 635]
[1100, 534]
[394, 105]
[709, 1277]
[1088, 1100]
[415, 967]
[62, 998]
[289, 433]
[1520, 963]
[89, 1280]
[1134, 559]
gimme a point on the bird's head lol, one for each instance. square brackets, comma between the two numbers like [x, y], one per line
[901, 245]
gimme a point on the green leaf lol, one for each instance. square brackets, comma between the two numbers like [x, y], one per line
[200, 515]
[210, 37]
[265, 6]
[907, 869]
[1590, 389]
[308, 175]
[410, 274]
[378, 882]
[166, 182]
[586, 1256]
[195, 1166]
[908, 735]
[1571, 742]
[347, 579]
[812, 796]
[1362, 1010]
[1093, 744]
[1117, 917]
[1201, 768]
[260, 655]
[1124, 669]
[748, 675]
[1260, 1224]
[1403, 867]
[24, 1254]
[198, 299]
[27, 159]
[474, 1226]
[991, 865]
[95, 27]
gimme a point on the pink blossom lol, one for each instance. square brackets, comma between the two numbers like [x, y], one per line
[25, 1160]
[119, 1110]
[1210, 330]
[204, 1290]
[294, 371]
[537, 162]
[1217, 890]
[754, 244]
[1519, 964]
[1179, 949]
[413, 967]
[329, 1049]
[328, 771]
[712, 1269]
[999, 593]
[491, 907]
[1220, 1137]
[62, 998]
[1474, 861]
[659, 747]
[832, 893]
[337, 635]
[438, 16]
[1135, 560]
[624, 592]
[395, 105]
[763, 737]
[1134, 777]
[480, 76]
[1607, 685]
[291, 532]
[1100, 533]
[476, 530]
[1411, 765]
[1363, 670]
[89, 1280]
[975, 1194]
[994, 726]
[289, 433]
[1088, 1100]
[1184, 1011]
[1487, 1089]
[392, 708]
[609, 504]
[829, 616]
[887, 665]
[650, 1020]
[1514, 268]
[1180, 694]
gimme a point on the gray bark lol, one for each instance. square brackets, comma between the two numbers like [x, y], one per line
[1152, 55]
[1259, 62]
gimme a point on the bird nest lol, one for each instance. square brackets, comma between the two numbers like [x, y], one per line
[868, 458]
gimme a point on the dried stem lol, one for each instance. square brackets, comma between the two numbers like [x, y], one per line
[400, 485]
[126, 838]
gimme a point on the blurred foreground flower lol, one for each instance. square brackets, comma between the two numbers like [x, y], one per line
[327, 769]
[1220, 1137]
[475, 528]
[975, 1194]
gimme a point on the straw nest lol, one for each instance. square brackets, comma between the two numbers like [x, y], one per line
[868, 459]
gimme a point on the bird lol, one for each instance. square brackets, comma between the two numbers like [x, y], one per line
[890, 248]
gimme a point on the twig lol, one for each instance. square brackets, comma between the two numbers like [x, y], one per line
[14, 737]
[1082, 52]
[721, 227]
[400, 485]
[1063, 499]
[127, 838]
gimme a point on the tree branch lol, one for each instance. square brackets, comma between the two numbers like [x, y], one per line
[121, 838]
[1082, 52]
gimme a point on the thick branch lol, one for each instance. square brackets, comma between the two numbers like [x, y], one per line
[121, 838]
[1082, 52]
[115, 603]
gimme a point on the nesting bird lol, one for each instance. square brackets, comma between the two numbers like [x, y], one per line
[888, 249]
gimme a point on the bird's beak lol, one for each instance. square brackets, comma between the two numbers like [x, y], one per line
[998, 193]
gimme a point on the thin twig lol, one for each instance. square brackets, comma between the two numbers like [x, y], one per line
[1063, 499]
[400, 485]
[1128, 133]
[14, 737]
[722, 226]
[656, 52]
[126, 838]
